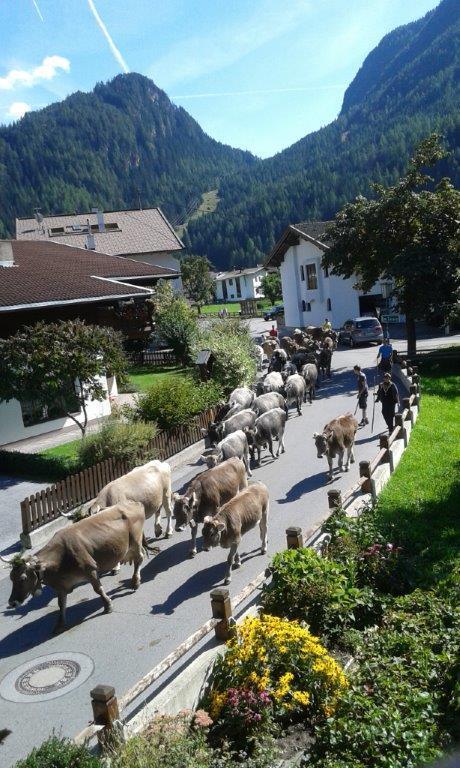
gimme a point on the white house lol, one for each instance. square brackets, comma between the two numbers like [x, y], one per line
[310, 293]
[19, 420]
[240, 283]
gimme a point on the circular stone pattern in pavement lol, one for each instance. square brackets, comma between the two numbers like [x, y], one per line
[46, 677]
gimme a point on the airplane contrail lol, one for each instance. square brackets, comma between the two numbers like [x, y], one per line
[259, 91]
[38, 10]
[107, 36]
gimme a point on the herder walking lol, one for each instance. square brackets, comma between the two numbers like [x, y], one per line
[388, 395]
[363, 393]
[385, 357]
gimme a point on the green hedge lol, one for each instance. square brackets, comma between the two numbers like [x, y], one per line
[34, 466]
[172, 402]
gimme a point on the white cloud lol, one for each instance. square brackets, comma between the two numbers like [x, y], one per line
[108, 37]
[18, 109]
[45, 71]
[192, 57]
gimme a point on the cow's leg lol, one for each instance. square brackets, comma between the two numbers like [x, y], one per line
[329, 461]
[258, 454]
[231, 555]
[97, 586]
[299, 406]
[167, 504]
[281, 443]
[246, 463]
[352, 453]
[270, 446]
[158, 528]
[116, 569]
[263, 531]
[194, 531]
[62, 603]
[137, 559]
[340, 460]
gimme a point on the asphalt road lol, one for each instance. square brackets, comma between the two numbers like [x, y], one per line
[173, 599]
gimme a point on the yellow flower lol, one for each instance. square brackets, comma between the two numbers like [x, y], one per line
[301, 697]
[217, 702]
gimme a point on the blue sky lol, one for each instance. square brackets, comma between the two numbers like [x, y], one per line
[256, 74]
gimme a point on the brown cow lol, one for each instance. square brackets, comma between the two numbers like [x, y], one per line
[77, 553]
[206, 494]
[337, 437]
[236, 517]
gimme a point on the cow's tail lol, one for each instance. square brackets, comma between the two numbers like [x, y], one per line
[148, 548]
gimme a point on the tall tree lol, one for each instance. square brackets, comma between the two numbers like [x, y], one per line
[408, 234]
[174, 320]
[270, 286]
[56, 364]
[197, 280]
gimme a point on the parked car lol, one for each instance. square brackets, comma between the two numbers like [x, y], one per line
[360, 331]
[273, 312]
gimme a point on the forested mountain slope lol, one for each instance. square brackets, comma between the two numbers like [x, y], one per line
[107, 147]
[408, 86]
[127, 139]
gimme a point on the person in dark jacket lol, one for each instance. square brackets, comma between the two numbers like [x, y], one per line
[388, 395]
[363, 392]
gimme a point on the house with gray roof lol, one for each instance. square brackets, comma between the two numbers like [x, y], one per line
[143, 235]
[237, 284]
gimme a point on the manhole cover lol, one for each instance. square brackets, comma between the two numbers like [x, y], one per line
[46, 677]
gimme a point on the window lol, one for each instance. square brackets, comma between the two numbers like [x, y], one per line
[56, 231]
[36, 412]
[312, 280]
[326, 272]
[302, 272]
[306, 306]
[238, 287]
[230, 282]
[329, 305]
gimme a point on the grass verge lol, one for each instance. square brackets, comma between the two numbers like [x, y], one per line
[142, 377]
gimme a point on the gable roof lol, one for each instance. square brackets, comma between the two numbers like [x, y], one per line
[127, 232]
[47, 273]
[310, 231]
[239, 272]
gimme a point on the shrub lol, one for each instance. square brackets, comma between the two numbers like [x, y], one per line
[321, 592]
[34, 466]
[281, 659]
[378, 563]
[59, 753]
[175, 322]
[393, 714]
[233, 349]
[117, 440]
[174, 401]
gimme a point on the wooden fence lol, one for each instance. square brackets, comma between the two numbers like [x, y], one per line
[62, 497]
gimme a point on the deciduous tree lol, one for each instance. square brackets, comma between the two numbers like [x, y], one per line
[270, 286]
[48, 361]
[197, 280]
[410, 234]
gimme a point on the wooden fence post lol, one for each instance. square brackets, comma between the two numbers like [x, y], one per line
[406, 405]
[221, 608]
[294, 538]
[414, 391]
[105, 711]
[365, 471]
[334, 498]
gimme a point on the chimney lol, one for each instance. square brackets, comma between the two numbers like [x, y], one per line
[100, 219]
[90, 243]
[6, 254]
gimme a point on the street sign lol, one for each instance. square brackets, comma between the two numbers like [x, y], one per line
[389, 318]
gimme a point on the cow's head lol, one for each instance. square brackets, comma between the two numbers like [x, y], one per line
[184, 508]
[250, 433]
[222, 410]
[214, 432]
[212, 457]
[26, 577]
[322, 443]
[211, 532]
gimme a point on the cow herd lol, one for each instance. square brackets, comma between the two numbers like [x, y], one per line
[219, 499]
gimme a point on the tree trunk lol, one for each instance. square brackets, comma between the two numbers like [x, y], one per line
[411, 336]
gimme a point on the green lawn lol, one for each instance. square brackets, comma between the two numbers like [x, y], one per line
[421, 501]
[233, 308]
[142, 377]
[64, 451]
